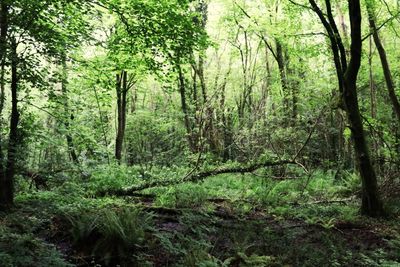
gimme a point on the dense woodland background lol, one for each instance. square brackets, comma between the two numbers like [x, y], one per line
[199, 133]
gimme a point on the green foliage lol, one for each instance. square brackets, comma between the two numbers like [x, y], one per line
[185, 196]
[25, 250]
[109, 177]
[163, 28]
[191, 247]
[213, 84]
[154, 140]
[112, 235]
[253, 260]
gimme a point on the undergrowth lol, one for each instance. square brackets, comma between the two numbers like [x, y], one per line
[227, 220]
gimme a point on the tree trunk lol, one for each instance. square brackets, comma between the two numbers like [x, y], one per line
[7, 178]
[371, 202]
[3, 30]
[121, 89]
[347, 78]
[69, 115]
[185, 110]
[3, 52]
[282, 72]
[133, 100]
[384, 61]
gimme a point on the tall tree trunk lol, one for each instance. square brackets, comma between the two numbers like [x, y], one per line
[185, 109]
[2, 87]
[3, 31]
[347, 78]
[371, 202]
[384, 61]
[122, 89]
[372, 82]
[130, 150]
[133, 100]
[280, 58]
[69, 116]
[373, 100]
[7, 179]
[3, 52]
[208, 131]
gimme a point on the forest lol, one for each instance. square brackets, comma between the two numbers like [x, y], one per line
[199, 133]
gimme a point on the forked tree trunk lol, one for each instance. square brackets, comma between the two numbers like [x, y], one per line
[347, 77]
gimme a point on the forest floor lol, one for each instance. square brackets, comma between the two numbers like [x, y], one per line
[184, 226]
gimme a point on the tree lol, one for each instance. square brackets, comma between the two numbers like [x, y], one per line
[347, 77]
[31, 24]
[164, 35]
[384, 61]
[123, 85]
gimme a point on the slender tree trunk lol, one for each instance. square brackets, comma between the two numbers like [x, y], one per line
[372, 82]
[102, 122]
[122, 89]
[384, 61]
[373, 100]
[265, 85]
[69, 115]
[282, 72]
[3, 52]
[133, 100]
[7, 179]
[371, 202]
[2, 87]
[3, 31]
[130, 150]
[294, 86]
[226, 122]
[185, 110]
[347, 78]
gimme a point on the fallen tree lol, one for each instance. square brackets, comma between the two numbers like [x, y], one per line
[198, 177]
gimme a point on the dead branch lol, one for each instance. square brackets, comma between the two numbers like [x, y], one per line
[197, 177]
[194, 178]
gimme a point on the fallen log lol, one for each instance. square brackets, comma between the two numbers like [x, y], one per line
[197, 177]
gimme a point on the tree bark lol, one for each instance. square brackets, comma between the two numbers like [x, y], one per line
[7, 179]
[3, 51]
[347, 78]
[122, 90]
[384, 61]
[185, 109]
[371, 202]
[3, 30]
[69, 115]
[282, 73]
